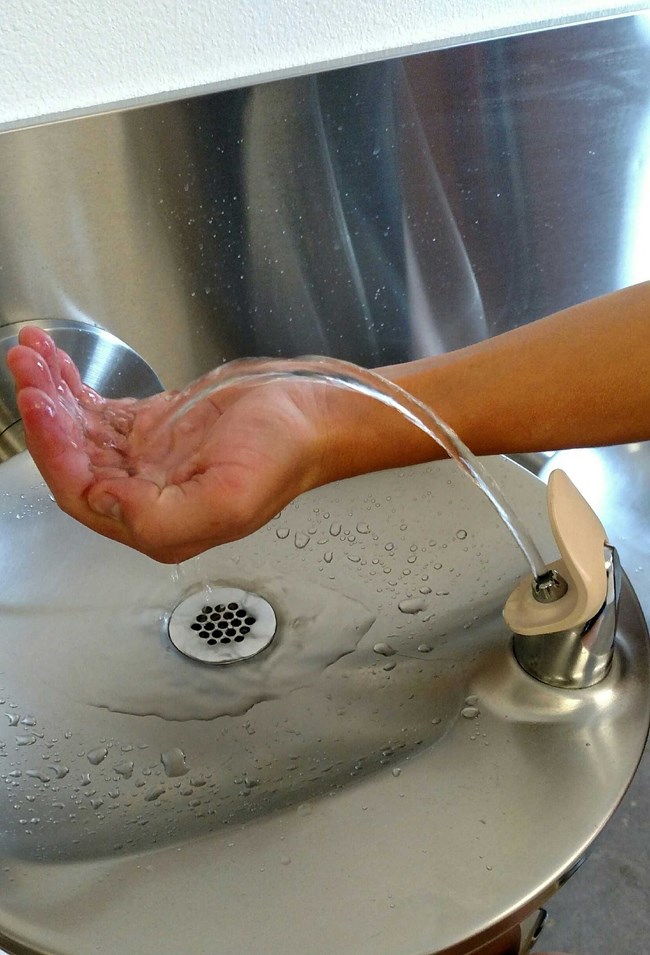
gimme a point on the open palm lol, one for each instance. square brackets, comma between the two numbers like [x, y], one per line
[169, 488]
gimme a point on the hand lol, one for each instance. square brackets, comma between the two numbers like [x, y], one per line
[170, 490]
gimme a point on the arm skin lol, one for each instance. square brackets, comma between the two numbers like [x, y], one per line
[576, 378]
[579, 378]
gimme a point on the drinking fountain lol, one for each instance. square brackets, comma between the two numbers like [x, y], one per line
[325, 737]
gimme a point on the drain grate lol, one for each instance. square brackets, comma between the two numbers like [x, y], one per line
[222, 625]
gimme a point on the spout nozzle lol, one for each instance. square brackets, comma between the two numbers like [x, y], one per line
[549, 587]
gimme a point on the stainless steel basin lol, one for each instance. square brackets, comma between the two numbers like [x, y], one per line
[383, 778]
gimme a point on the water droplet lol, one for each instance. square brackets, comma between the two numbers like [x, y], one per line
[282, 533]
[363, 529]
[97, 756]
[85, 779]
[173, 761]
[412, 605]
[390, 665]
[335, 529]
[25, 740]
[384, 649]
[461, 534]
[36, 774]
[96, 802]
[152, 794]
[469, 712]
[397, 771]
[424, 648]
[300, 540]
[124, 769]
[28, 721]
[328, 556]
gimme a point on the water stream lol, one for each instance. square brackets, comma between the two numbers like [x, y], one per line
[343, 374]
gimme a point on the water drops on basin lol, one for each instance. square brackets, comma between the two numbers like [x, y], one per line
[318, 711]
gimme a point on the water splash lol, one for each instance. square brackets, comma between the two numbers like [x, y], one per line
[343, 374]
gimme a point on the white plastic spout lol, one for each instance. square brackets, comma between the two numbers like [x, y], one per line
[569, 641]
[580, 538]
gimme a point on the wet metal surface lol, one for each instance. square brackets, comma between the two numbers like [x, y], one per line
[384, 758]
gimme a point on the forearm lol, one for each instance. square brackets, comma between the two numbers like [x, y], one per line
[579, 377]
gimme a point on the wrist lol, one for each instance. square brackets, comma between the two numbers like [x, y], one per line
[360, 433]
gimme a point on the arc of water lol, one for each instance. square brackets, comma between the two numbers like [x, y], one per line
[343, 374]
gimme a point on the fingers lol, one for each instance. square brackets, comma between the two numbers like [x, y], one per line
[55, 442]
[47, 384]
[34, 337]
[31, 370]
[70, 374]
[47, 360]
[50, 421]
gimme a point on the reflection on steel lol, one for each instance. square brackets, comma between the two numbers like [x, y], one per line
[376, 213]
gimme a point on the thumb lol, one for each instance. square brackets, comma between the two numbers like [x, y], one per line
[122, 499]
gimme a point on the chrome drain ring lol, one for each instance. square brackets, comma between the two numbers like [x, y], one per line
[219, 625]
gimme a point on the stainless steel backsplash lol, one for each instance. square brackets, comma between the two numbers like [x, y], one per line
[376, 213]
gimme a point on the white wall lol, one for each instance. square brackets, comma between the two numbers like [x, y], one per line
[75, 55]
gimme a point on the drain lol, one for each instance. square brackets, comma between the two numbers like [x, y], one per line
[222, 625]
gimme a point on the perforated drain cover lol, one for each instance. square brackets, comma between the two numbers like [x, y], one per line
[222, 625]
